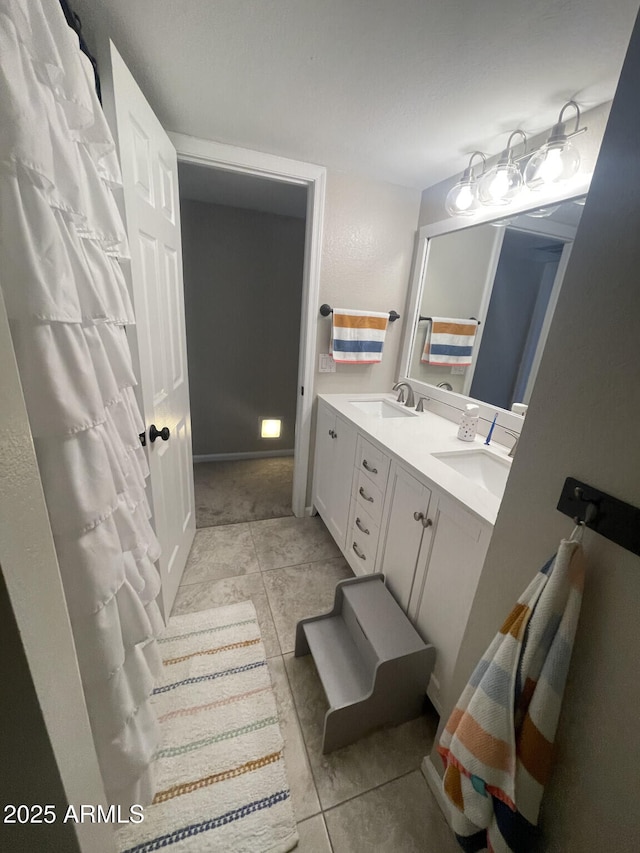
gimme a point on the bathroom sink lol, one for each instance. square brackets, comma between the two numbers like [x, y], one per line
[480, 466]
[382, 409]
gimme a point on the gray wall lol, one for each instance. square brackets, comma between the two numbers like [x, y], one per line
[583, 421]
[243, 289]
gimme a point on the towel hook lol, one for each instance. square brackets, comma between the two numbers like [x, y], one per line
[591, 512]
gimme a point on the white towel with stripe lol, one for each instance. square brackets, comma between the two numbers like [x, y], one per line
[449, 341]
[357, 337]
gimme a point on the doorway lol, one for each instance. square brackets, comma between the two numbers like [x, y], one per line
[233, 159]
[243, 246]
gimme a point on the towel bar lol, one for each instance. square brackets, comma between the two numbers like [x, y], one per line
[325, 310]
[421, 318]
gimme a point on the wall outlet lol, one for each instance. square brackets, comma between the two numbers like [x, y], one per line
[458, 369]
[326, 364]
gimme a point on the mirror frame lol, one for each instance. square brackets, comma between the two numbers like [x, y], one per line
[527, 202]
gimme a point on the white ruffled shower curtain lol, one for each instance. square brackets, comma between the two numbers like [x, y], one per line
[62, 244]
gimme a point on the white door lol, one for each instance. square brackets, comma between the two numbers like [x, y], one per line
[152, 214]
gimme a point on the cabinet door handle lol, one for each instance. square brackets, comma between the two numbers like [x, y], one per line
[358, 552]
[366, 465]
[427, 522]
[360, 527]
[420, 516]
[365, 495]
[332, 433]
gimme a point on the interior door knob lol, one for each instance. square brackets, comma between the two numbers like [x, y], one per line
[154, 433]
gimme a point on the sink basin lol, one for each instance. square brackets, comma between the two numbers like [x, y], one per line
[382, 409]
[480, 466]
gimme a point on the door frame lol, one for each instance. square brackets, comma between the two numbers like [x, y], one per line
[230, 158]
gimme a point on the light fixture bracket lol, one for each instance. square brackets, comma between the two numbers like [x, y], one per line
[468, 174]
[559, 135]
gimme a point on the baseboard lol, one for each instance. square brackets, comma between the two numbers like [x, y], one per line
[230, 457]
[434, 782]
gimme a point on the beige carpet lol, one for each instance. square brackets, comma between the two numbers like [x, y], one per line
[244, 490]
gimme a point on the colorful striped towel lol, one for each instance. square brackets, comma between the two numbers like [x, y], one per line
[449, 341]
[497, 745]
[357, 337]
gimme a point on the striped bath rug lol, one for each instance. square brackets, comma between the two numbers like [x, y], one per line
[220, 775]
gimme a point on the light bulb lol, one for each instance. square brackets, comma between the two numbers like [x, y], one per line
[500, 185]
[462, 198]
[552, 164]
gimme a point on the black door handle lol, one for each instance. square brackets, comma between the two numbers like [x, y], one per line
[154, 433]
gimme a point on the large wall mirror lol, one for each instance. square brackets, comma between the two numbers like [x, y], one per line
[506, 274]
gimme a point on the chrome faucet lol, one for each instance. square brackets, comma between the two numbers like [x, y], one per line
[421, 402]
[516, 435]
[402, 385]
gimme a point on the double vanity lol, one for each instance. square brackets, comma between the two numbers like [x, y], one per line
[402, 495]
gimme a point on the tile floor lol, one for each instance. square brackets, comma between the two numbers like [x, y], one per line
[366, 797]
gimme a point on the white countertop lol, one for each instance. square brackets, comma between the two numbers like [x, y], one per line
[413, 440]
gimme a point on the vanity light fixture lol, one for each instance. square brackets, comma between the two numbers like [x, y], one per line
[462, 199]
[554, 162]
[557, 160]
[500, 184]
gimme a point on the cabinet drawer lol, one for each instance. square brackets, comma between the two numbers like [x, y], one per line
[369, 497]
[364, 527]
[373, 462]
[363, 548]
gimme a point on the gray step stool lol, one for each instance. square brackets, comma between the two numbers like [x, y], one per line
[373, 665]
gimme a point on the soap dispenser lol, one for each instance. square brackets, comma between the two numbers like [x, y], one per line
[469, 422]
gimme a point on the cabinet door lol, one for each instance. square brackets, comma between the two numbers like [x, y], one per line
[406, 508]
[447, 576]
[333, 471]
[341, 476]
[323, 466]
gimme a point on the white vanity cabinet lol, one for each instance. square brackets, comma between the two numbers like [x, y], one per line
[406, 524]
[333, 470]
[431, 553]
[387, 516]
[448, 568]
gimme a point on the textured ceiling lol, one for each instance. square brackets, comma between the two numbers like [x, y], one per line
[399, 90]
